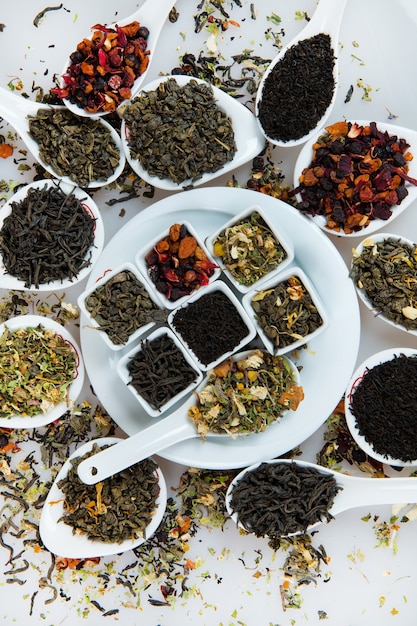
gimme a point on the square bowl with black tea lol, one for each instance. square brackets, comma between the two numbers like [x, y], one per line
[248, 248]
[287, 311]
[121, 306]
[177, 264]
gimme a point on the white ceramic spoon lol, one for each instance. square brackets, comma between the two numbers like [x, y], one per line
[15, 109]
[152, 15]
[326, 19]
[356, 491]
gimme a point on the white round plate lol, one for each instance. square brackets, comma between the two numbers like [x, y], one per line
[327, 363]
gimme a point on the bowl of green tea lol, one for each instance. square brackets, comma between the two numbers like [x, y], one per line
[41, 371]
[51, 235]
[116, 515]
[384, 272]
[248, 248]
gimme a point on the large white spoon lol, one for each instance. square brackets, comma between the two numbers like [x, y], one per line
[152, 15]
[15, 110]
[355, 491]
[326, 19]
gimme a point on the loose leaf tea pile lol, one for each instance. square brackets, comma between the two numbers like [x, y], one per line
[179, 132]
[357, 174]
[36, 368]
[249, 249]
[48, 236]
[114, 510]
[246, 396]
[298, 89]
[277, 499]
[384, 405]
[386, 271]
[78, 147]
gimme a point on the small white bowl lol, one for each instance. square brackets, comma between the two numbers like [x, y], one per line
[94, 326]
[248, 137]
[218, 285]
[278, 278]
[143, 267]
[278, 236]
[373, 240]
[8, 281]
[59, 537]
[306, 154]
[74, 389]
[361, 371]
[124, 375]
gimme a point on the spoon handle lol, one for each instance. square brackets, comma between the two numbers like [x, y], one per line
[326, 18]
[358, 492]
[14, 110]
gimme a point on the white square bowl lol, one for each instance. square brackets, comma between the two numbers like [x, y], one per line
[274, 237]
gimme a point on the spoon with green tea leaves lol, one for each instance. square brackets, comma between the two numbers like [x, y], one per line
[80, 151]
[109, 66]
[298, 90]
[285, 497]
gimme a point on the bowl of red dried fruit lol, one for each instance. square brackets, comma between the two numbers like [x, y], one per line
[356, 176]
[177, 264]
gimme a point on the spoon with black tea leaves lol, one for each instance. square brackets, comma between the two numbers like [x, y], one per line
[15, 110]
[353, 491]
[151, 16]
[326, 21]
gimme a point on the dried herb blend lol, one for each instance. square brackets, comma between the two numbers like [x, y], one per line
[121, 305]
[78, 147]
[249, 249]
[114, 510]
[159, 371]
[179, 132]
[103, 69]
[48, 236]
[246, 396]
[286, 313]
[210, 326]
[277, 499]
[357, 174]
[37, 366]
[298, 90]
[177, 264]
[384, 405]
[386, 271]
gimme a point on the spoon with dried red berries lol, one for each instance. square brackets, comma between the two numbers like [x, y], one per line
[298, 90]
[109, 66]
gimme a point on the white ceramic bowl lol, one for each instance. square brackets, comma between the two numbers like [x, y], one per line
[218, 285]
[142, 265]
[74, 389]
[278, 278]
[277, 235]
[59, 538]
[123, 373]
[92, 323]
[248, 137]
[7, 281]
[372, 241]
[306, 154]
[369, 363]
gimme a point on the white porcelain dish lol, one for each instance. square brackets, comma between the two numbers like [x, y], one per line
[249, 139]
[74, 389]
[7, 281]
[59, 538]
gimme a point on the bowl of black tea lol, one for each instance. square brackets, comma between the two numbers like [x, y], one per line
[51, 235]
[380, 406]
[287, 311]
[384, 272]
[121, 306]
[118, 514]
[213, 325]
[248, 248]
[159, 371]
